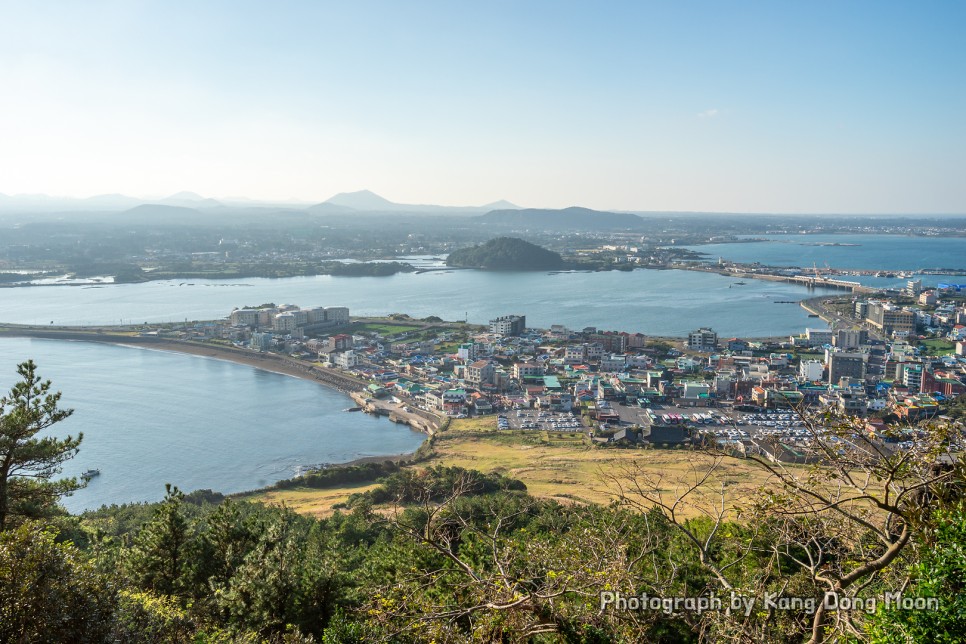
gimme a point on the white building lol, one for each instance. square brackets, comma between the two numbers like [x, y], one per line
[694, 390]
[575, 353]
[509, 325]
[811, 370]
[337, 314]
[345, 359]
[467, 351]
[818, 337]
[704, 339]
[244, 317]
[284, 322]
[613, 362]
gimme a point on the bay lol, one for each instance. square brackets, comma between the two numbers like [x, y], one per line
[868, 252]
[151, 417]
[653, 302]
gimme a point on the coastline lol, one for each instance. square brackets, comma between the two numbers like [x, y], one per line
[276, 363]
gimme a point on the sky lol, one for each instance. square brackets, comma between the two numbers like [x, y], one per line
[833, 106]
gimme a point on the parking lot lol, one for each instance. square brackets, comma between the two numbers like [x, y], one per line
[537, 420]
[727, 424]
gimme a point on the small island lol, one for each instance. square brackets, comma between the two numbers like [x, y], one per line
[506, 254]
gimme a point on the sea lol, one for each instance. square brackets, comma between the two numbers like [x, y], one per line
[151, 418]
[868, 252]
[653, 302]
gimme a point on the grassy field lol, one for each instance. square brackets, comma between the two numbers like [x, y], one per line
[938, 346]
[478, 424]
[318, 503]
[385, 329]
[572, 470]
[564, 467]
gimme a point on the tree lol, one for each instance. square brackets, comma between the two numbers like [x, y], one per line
[159, 559]
[48, 592]
[27, 462]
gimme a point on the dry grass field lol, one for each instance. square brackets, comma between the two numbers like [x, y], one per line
[563, 467]
[317, 503]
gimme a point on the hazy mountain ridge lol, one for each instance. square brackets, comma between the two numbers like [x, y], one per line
[574, 217]
[368, 201]
[362, 201]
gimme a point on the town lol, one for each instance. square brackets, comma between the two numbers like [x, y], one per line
[892, 360]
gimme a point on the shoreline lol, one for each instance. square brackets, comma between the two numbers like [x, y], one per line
[350, 387]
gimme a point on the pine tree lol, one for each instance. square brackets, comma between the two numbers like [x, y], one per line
[159, 558]
[28, 463]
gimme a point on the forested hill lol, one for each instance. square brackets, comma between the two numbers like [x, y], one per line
[508, 254]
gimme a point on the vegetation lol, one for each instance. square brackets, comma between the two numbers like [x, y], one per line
[28, 463]
[366, 269]
[508, 254]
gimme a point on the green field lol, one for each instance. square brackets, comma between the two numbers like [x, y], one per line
[938, 346]
[385, 329]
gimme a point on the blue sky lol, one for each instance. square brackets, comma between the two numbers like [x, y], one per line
[851, 107]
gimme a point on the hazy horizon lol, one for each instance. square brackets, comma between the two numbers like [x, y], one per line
[819, 108]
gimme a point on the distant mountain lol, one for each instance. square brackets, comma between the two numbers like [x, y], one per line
[189, 200]
[506, 254]
[362, 200]
[108, 202]
[502, 204]
[162, 214]
[366, 201]
[568, 218]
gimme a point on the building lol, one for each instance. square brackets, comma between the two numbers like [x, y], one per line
[846, 365]
[284, 322]
[509, 325]
[696, 390]
[337, 314]
[811, 370]
[928, 298]
[340, 342]
[480, 372]
[244, 317]
[575, 353]
[316, 315]
[913, 287]
[466, 352]
[703, 339]
[523, 370]
[850, 338]
[818, 337]
[345, 359]
[635, 340]
[891, 320]
[613, 362]
[611, 341]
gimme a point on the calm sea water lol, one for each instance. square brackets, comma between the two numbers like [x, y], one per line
[646, 301]
[871, 252]
[151, 418]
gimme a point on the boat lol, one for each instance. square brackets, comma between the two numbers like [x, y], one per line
[352, 409]
[89, 474]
